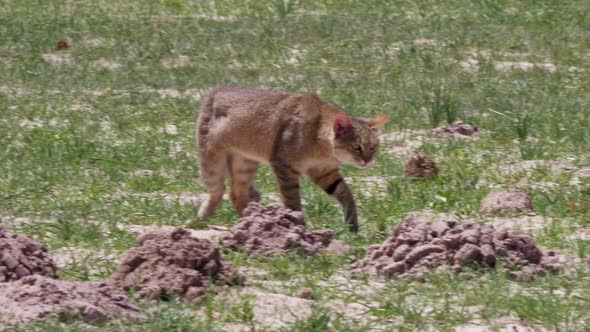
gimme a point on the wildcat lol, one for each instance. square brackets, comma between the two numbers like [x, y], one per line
[296, 133]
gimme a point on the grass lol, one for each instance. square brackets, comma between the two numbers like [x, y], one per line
[75, 135]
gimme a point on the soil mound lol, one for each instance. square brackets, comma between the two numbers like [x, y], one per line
[36, 296]
[457, 129]
[419, 243]
[420, 165]
[170, 263]
[21, 256]
[273, 229]
[506, 200]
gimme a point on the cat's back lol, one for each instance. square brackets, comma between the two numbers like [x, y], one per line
[226, 97]
[253, 121]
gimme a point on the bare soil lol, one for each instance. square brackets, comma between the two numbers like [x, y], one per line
[419, 243]
[171, 263]
[273, 229]
[36, 296]
[505, 201]
[21, 256]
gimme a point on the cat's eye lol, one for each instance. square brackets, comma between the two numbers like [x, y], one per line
[357, 148]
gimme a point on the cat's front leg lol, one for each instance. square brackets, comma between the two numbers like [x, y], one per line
[334, 185]
[288, 179]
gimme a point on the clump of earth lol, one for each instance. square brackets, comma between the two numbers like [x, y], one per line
[273, 229]
[21, 256]
[419, 165]
[506, 201]
[423, 242]
[457, 129]
[37, 296]
[170, 263]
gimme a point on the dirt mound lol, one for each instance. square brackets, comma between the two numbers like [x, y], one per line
[506, 200]
[420, 165]
[419, 243]
[36, 296]
[170, 263]
[457, 129]
[21, 256]
[273, 229]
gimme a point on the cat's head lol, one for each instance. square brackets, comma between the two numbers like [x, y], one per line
[356, 140]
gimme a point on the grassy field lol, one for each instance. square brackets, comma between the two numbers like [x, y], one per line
[100, 136]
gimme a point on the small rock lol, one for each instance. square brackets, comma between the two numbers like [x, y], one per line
[62, 44]
[305, 293]
[420, 165]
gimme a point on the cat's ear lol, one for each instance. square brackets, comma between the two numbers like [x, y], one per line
[377, 122]
[342, 125]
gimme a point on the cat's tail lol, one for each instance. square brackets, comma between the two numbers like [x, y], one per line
[206, 114]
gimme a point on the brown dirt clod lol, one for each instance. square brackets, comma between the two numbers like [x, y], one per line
[171, 263]
[457, 129]
[419, 165]
[305, 293]
[37, 296]
[62, 44]
[21, 256]
[273, 229]
[506, 200]
[419, 243]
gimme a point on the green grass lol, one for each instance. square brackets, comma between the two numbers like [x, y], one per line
[73, 135]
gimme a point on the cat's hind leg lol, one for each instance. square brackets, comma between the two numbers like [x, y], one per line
[288, 179]
[242, 172]
[214, 167]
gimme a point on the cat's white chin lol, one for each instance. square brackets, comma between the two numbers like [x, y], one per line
[361, 164]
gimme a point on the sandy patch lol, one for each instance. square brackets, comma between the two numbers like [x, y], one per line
[31, 124]
[195, 94]
[96, 42]
[169, 93]
[209, 17]
[270, 310]
[143, 173]
[295, 55]
[57, 59]
[370, 186]
[213, 233]
[107, 64]
[175, 150]
[170, 129]
[57, 123]
[554, 166]
[579, 176]
[336, 248]
[180, 61]
[187, 198]
[523, 65]
[527, 224]
[469, 64]
[502, 324]
[508, 200]
[425, 42]
[74, 255]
